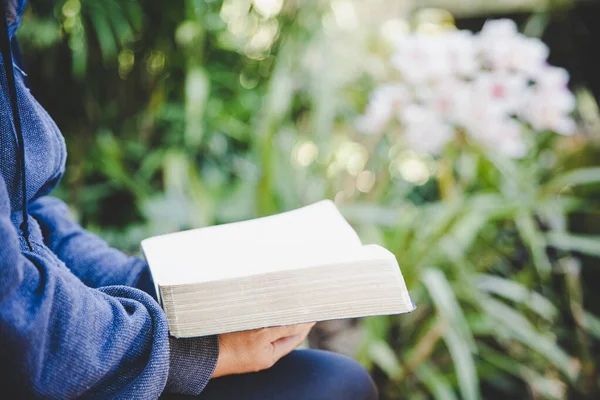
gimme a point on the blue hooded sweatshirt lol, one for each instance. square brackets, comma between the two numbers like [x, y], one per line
[78, 319]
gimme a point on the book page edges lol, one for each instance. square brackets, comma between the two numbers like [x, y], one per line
[181, 332]
[401, 304]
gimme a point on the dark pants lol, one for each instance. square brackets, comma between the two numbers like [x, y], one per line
[302, 375]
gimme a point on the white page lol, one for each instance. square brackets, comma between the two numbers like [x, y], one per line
[307, 235]
[247, 262]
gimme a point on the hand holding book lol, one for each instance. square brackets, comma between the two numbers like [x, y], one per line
[259, 349]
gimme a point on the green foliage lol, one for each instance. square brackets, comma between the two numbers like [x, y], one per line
[204, 112]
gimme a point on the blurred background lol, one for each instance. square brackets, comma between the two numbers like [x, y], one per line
[200, 112]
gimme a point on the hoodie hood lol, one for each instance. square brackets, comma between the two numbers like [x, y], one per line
[14, 14]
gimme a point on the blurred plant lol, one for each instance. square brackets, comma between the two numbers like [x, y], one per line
[480, 247]
[487, 86]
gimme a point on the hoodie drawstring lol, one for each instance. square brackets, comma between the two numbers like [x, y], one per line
[12, 89]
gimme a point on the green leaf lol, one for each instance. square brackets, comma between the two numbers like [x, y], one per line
[79, 46]
[531, 235]
[440, 220]
[500, 360]
[584, 244]
[134, 13]
[513, 324]
[518, 293]
[464, 232]
[378, 328]
[548, 388]
[384, 357]
[446, 303]
[197, 86]
[479, 211]
[464, 364]
[106, 38]
[583, 176]
[119, 22]
[591, 324]
[436, 383]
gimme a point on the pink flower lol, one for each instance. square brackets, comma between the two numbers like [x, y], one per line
[505, 90]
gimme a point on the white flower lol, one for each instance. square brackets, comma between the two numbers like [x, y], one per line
[549, 110]
[499, 28]
[424, 131]
[383, 105]
[442, 98]
[495, 41]
[421, 58]
[488, 85]
[472, 112]
[552, 78]
[529, 56]
[504, 48]
[550, 102]
[503, 136]
[462, 53]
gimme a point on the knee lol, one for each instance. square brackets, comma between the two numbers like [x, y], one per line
[345, 379]
[358, 382]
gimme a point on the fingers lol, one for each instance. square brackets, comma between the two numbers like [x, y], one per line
[278, 332]
[259, 349]
[283, 346]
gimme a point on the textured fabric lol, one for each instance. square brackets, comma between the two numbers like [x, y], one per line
[87, 256]
[76, 317]
[191, 364]
[13, 8]
[61, 339]
[302, 375]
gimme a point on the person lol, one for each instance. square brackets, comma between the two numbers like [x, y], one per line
[79, 319]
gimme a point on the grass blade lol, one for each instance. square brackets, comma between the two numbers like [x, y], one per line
[384, 357]
[513, 324]
[531, 235]
[584, 244]
[446, 303]
[464, 364]
[518, 293]
[582, 176]
[591, 324]
[436, 383]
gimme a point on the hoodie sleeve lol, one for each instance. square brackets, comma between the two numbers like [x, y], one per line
[63, 339]
[90, 258]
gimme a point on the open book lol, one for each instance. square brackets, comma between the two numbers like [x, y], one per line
[299, 266]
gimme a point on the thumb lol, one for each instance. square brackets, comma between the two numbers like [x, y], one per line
[285, 345]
